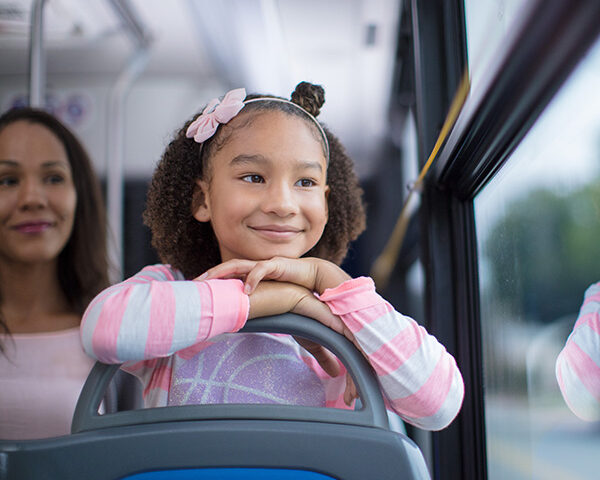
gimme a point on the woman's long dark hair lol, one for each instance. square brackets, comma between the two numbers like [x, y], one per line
[83, 263]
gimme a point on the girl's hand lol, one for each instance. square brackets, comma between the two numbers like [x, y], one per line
[273, 298]
[315, 274]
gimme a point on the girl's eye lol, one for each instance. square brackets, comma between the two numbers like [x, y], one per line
[8, 181]
[305, 182]
[253, 178]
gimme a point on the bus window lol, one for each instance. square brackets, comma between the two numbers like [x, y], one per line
[487, 24]
[538, 225]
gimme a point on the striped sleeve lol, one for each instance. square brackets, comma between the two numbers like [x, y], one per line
[578, 364]
[419, 378]
[156, 313]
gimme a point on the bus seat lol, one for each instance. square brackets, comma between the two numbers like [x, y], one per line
[227, 441]
[124, 392]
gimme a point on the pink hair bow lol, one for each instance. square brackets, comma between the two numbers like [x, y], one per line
[216, 113]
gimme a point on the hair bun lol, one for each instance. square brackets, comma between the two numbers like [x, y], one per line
[310, 97]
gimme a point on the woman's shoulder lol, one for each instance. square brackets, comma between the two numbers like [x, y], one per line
[54, 336]
[40, 347]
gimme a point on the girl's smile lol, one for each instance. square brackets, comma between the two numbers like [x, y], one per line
[266, 192]
[276, 231]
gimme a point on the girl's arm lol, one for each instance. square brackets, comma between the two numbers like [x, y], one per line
[156, 313]
[309, 275]
[578, 364]
[147, 318]
[418, 376]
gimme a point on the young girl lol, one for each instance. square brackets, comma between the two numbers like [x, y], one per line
[253, 206]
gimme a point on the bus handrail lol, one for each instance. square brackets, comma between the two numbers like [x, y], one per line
[372, 411]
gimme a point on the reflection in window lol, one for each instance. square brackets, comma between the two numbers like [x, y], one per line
[538, 229]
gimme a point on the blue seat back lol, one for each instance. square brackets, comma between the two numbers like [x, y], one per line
[196, 440]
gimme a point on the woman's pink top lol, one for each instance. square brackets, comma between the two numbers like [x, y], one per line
[177, 337]
[41, 376]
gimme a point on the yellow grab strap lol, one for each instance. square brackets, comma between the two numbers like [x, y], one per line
[385, 262]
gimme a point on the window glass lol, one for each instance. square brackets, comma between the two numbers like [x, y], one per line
[538, 231]
[487, 24]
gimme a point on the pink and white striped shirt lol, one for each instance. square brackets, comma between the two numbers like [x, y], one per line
[177, 337]
[578, 364]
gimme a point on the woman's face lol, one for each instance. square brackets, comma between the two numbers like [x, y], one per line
[37, 194]
[267, 189]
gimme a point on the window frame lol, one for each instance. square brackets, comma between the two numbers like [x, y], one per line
[543, 49]
[546, 47]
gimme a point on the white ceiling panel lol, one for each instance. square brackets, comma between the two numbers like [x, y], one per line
[264, 45]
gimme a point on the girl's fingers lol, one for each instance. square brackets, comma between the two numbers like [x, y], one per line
[324, 357]
[265, 270]
[230, 269]
[350, 394]
[253, 272]
[283, 269]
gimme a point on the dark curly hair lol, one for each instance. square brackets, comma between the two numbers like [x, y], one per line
[191, 246]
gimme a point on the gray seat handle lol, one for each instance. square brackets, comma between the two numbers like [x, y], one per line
[372, 410]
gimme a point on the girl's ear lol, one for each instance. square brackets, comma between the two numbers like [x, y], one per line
[200, 209]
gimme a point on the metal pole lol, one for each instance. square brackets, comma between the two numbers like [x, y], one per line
[116, 131]
[37, 58]
[115, 153]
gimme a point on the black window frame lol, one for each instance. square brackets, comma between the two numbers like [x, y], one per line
[550, 39]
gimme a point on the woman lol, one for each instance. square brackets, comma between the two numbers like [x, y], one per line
[53, 261]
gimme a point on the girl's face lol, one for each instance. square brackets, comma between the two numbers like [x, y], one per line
[37, 194]
[267, 189]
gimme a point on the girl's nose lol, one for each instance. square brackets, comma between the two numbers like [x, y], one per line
[32, 195]
[280, 200]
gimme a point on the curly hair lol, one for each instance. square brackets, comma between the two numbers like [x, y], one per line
[191, 246]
